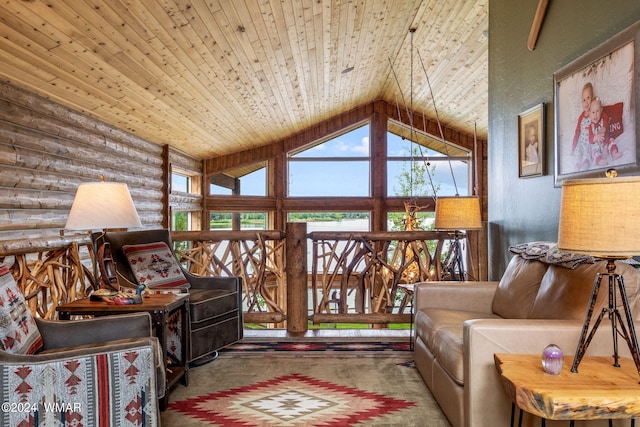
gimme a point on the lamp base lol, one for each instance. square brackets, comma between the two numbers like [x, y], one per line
[106, 267]
[453, 263]
[618, 326]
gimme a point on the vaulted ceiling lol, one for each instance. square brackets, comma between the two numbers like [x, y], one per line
[212, 77]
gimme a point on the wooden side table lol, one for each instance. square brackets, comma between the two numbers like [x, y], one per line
[599, 391]
[161, 307]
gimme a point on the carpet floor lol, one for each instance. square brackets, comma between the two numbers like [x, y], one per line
[295, 390]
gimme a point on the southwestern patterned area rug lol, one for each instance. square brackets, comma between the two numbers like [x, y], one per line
[350, 348]
[305, 388]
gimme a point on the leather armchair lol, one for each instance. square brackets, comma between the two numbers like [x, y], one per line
[80, 370]
[215, 303]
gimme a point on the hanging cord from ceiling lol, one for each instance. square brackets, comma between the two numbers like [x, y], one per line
[476, 190]
[413, 134]
[435, 108]
[409, 111]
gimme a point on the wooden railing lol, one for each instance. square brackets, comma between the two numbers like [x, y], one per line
[256, 256]
[50, 272]
[351, 277]
[365, 277]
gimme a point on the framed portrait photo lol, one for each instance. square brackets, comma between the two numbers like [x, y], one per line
[531, 142]
[595, 99]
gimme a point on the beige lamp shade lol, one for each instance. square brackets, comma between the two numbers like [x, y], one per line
[458, 213]
[600, 217]
[102, 205]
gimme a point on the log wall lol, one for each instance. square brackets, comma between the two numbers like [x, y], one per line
[47, 150]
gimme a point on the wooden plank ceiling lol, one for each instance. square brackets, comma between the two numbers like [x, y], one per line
[212, 77]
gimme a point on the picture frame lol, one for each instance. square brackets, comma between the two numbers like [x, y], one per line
[531, 142]
[585, 145]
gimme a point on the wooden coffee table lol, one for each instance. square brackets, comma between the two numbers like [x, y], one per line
[598, 391]
[161, 307]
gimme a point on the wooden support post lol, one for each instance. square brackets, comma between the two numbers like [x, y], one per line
[297, 287]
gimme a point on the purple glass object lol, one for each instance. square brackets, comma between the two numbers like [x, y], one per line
[552, 359]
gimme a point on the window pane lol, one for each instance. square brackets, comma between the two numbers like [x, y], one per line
[397, 146]
[412, 178]
[415, 170]
[179, 182]
[461, 171]
[248, 220]
[250, 181]
[351, 144]
[332, 221]
[338, 167]
[181, 221]
[326, 178]
[254, 184]
[423, 221]
[219, 191]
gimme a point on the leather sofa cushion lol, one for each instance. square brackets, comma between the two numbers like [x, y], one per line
[442, 331]
[518, 288]
[564, 293]
[448, 348]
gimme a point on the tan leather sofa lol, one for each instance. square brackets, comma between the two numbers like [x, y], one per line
[460, 325]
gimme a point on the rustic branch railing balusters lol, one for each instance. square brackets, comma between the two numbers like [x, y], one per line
[372, 265]
[354, 277]
[256, 256]
[50, 272]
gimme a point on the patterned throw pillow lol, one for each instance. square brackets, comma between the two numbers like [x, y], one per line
[19, 333]
[154, 265]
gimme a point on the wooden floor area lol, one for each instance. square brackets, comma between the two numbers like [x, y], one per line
[327, 334]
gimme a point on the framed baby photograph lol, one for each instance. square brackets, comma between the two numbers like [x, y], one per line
[595, 98]
[531, 142]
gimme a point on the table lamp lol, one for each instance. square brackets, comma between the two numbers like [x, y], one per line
[601, 217]
[455, 213]
[104, 206]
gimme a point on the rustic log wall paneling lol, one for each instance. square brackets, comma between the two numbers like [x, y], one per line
[184, 162]
[181, 201]
[47, 150]
[166, 188]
